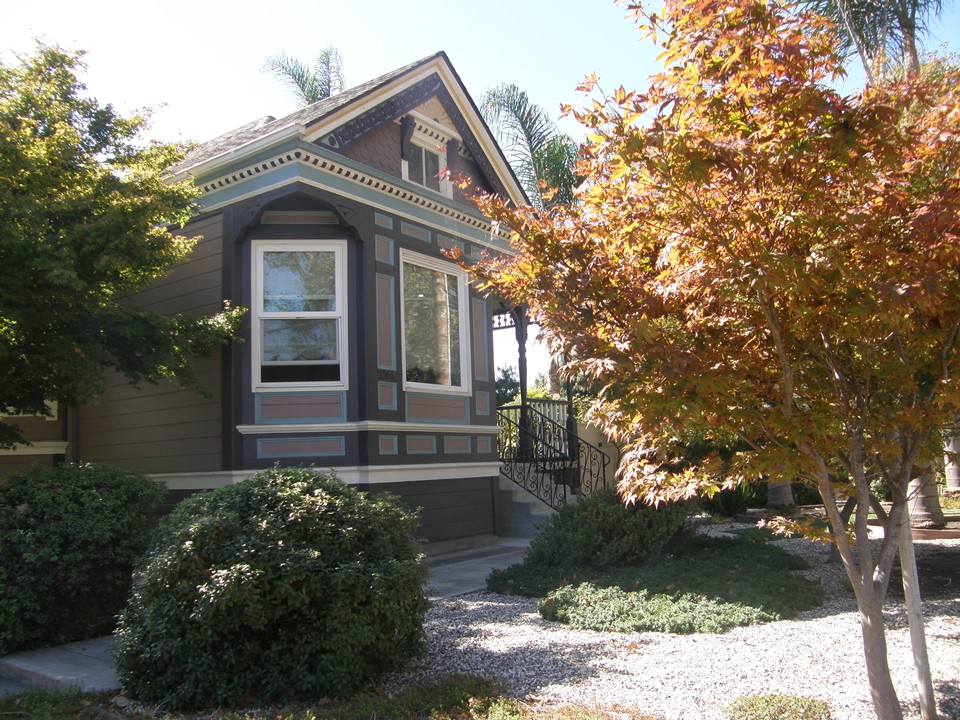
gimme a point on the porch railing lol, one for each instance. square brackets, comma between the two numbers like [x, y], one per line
[543, 456]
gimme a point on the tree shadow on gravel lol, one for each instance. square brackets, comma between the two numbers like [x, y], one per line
[476, 635]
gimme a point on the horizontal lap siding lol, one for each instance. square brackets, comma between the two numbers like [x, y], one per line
[163, 428]
[450, 509]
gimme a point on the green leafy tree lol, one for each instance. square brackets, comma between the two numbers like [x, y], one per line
[754, 256]
[507, 385]
[542, 157]
[309, 84]
[85, 222]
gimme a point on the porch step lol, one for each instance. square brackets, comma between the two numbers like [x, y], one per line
[518, 512]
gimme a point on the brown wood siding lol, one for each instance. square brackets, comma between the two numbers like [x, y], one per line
[379, 149]
[164, 428]
[450, 509]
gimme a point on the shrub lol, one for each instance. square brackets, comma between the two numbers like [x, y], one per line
[587, 607]
[778, 707]
[69, 538]
[287, 586]
[602, 531]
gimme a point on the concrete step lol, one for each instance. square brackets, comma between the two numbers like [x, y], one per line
[87, 665]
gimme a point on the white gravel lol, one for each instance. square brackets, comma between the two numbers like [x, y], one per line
[693, 677]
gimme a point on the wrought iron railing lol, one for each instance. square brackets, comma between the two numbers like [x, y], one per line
[546, 458]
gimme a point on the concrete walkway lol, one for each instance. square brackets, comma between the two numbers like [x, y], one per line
[88, 665]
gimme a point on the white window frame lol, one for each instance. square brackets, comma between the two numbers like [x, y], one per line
[428, 135]
[463, 305]
[339, 249]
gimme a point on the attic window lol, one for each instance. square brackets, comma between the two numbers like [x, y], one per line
[423, 167]
[423, 151]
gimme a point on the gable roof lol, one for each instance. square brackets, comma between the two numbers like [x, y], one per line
[326, 115]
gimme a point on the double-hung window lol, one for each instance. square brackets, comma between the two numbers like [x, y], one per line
[299, 314]
[434, 319]
[423, 167]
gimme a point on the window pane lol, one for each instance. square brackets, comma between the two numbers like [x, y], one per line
[431, 301]
[431, 167]
[294, 341]
[415, 165]
[299, 281]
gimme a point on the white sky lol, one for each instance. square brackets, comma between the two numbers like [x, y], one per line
[198, 63]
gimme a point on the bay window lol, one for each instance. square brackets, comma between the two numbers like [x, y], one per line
[299, 315]
[434, 319]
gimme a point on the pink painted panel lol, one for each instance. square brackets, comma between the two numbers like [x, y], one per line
[428, 407]
[301, 448]
[300, 407]
[478, 310]
[421, 444]
[456, 444]
[386, 346]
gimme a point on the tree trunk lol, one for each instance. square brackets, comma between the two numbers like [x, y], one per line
[953, 467]
[884, 696]
[779, 495]
[925, 510]
[918, 640]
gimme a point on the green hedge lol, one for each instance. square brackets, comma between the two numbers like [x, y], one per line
[288, 586]
[69, 538]
[600, 531]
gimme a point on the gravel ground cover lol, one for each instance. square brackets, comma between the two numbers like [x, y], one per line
[693, 677]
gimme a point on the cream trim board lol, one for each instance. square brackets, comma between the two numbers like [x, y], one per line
[310, 159]
[369, 426]
[365, 474]
[52, 447]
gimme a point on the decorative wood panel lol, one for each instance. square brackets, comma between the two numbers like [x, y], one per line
[388, 445]
[456, 444]
[385, 250]
[437, 408]
[276, 408]
[386, 324]
[421, 445]
[482, 398]
[415, 231]
[300, 447]
[387, 395]
[480, 327]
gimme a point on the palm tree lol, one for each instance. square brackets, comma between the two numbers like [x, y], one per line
[542, 157]
[884, 34]
[309, 85]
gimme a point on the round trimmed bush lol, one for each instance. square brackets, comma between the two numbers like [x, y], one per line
[287, 586]
[69, 538]
[601, 531]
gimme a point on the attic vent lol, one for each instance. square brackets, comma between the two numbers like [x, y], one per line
[297, 217]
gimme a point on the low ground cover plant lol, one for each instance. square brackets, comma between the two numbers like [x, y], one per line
[69, 538]
[287, 586]
[455, 698]
[778, 707]
[699, 584]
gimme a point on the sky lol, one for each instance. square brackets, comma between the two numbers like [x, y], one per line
[198, 63]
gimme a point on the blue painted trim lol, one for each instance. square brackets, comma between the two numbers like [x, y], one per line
[289, 172]
[433, 444]
[258, 398]
[396, 445]
[485, 444]
[384, 221]
[393, 325]
[393, 394]
[339, 453]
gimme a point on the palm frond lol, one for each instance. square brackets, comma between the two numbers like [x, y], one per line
[309, 85]
[530, 140]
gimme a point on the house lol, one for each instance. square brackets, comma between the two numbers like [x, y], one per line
[365, 349]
